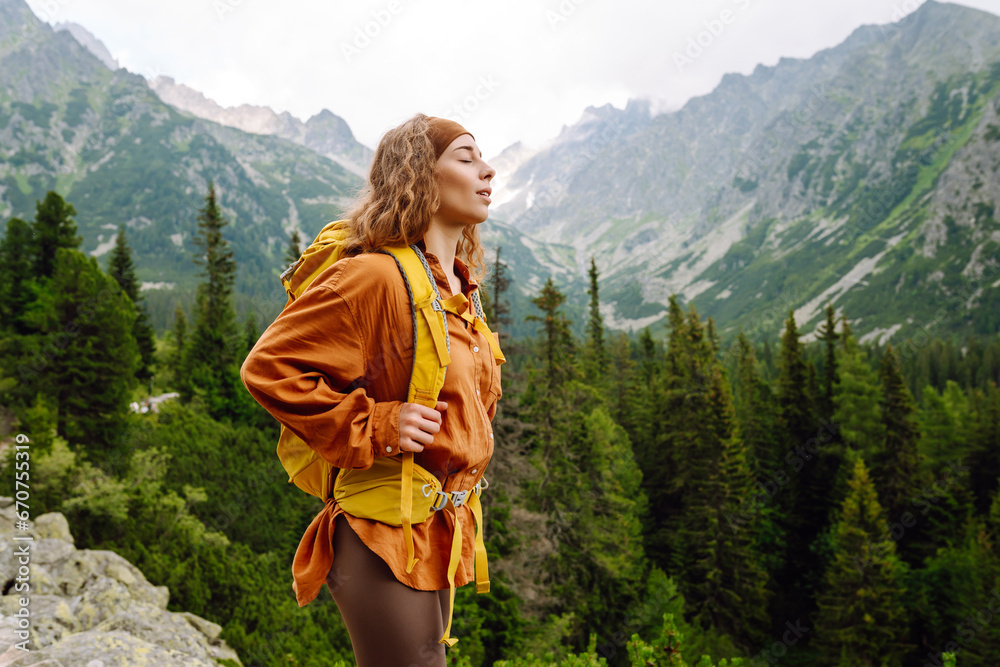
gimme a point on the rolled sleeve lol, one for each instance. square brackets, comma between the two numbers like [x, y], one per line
[385, 428]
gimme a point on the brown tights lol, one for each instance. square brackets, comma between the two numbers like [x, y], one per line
[390, 623]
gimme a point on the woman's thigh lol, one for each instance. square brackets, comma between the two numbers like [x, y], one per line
[389, 623]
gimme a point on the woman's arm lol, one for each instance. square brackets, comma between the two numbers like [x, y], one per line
[308, 371]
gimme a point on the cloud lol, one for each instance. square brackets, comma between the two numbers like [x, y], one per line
[376, 62]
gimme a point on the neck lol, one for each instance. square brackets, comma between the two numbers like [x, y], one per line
[442, 242]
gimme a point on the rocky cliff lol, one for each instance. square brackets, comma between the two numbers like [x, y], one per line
[91, 608]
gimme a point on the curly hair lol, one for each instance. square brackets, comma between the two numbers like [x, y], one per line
[395, 205]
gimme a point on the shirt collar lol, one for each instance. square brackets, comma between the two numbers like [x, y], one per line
[468, 282]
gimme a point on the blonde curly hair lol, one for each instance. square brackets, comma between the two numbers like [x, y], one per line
[395, 205]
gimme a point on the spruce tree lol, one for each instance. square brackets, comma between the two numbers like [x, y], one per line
[984, 445]
[662, 461]
[250, 332]
[647, 348]
[803, 506]
[498, 316]
[557, 342]
[596, 358]
[861, 614]
[177, 358]
[603, 546]
[122, 268]
[54, 228]
[625, 394]
[213, 356]
[93, 375]
[828, 335]
[729, 585]
[755, 418]
[943, 503]
[294, 250]
[15, 294]
[857, 395]
[897, 461]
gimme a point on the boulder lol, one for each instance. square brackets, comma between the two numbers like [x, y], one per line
[91, 608]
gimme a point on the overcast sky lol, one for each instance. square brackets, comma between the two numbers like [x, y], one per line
[516, 70]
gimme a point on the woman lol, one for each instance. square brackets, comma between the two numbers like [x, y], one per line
[334, 368]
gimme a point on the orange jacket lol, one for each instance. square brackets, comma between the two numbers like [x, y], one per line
[334, 368]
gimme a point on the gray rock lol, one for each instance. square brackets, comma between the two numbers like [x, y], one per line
[91, 608]
[54, 525]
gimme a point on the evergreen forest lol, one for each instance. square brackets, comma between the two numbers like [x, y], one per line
[683, 500]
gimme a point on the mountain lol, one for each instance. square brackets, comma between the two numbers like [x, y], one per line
[112, 148]
[863, 176]
[325, 133]
[89, 42]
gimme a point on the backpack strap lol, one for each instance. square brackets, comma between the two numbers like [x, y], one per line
[431, 356]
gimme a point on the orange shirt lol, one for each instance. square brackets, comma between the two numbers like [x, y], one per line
[334, 368]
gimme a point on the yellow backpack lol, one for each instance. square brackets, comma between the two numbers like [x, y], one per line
[310, 471]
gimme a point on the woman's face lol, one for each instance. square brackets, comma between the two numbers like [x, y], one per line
[463, 180]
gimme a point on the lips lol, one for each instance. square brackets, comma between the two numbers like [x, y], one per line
[485, 194]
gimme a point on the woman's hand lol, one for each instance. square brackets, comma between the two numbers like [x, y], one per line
[418, 424]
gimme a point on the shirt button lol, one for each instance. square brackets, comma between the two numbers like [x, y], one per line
[473, 471]
[477, 392]
[491, 435]
[475, 349]
[388, 449]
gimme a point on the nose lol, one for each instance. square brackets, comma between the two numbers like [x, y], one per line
[490, 172]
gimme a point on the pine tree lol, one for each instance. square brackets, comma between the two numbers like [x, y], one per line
[861, 613]
[857, 394]
[294, 250]
[712, 336]
[730, 591]
[557, 342]
[499, 314]
[596, 358]
[213, 356]
[250, 332]
[662, 460]
[605, 540]
[897, 461]
[177, 356]
[984, 445]
[942, 418]
[943, 505]
[793, 382]
[708, 477]
[828, 335]
[94, 373]
[754, 416]
[647, 347]
[15, 294]
[54, 228]
[122, 268]
[625, 393]
[803, 506]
